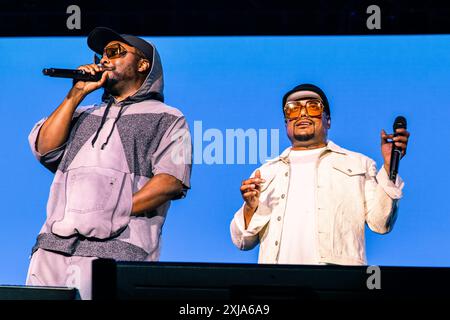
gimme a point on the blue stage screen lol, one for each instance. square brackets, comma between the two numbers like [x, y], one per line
[223, 84]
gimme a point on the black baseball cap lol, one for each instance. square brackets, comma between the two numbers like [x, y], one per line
[101, 36]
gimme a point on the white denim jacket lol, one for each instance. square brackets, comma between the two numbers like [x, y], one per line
[349, 193]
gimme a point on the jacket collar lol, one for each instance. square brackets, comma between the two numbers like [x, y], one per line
[331, 146]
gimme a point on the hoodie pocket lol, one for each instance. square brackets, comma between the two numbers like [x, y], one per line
[98, 203]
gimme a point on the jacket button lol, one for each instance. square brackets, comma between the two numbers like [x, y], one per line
[349, 170]
[276, 243]
[279, 218]
[286, 174]
[282, 196]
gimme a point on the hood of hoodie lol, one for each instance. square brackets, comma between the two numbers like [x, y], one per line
[151, 88]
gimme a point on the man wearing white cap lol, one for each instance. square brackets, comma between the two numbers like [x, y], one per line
[310, 204]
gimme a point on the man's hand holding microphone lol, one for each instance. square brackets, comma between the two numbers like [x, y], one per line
[87, 87]
[55, 130]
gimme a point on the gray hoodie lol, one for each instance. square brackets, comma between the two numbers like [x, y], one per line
[113, 149]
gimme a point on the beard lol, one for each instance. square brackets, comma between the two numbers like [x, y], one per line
[304, 136]
[110, 84]
[111, 87]
[117, 82]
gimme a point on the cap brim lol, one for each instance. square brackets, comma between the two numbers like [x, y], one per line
[101, 36]
[296, 95]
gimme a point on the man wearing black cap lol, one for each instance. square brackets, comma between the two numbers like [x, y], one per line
[117, 165]
[310, 204]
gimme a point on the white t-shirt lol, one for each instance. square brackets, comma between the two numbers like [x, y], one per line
[298, 243]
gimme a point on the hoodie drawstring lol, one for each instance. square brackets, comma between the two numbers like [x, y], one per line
[108, 106]
[112, 129]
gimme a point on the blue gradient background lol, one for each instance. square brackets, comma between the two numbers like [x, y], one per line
[238, 82]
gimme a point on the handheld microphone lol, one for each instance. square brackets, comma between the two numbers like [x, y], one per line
[77, 75]
[396, 154]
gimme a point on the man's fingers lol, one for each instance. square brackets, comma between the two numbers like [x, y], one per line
[384, 137]
[90, 68]
[253, 181]
[246, 187]
[401, 136]
[399, 132]
[97, 68]
[400, 139]
[84, 68]
[403, 132]
[248, 181]
[103, 78]
[257, 178]
[400, 145]
[250, 194]
[252, 186]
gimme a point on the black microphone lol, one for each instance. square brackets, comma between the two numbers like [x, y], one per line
[77, 75]
[396, 154]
